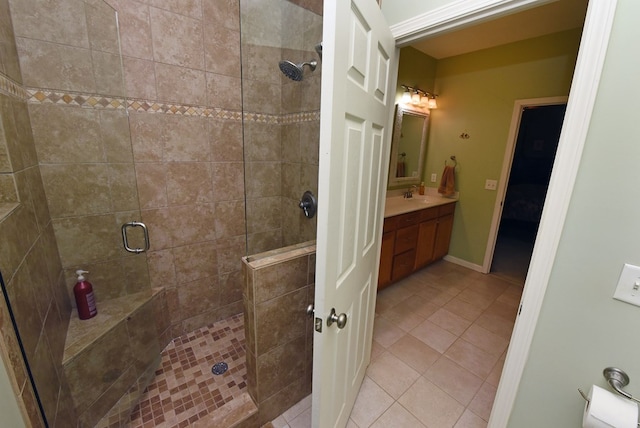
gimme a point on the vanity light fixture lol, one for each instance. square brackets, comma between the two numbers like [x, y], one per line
[418, 97]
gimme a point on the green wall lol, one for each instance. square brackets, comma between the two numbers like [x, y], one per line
[477, 92]
[582, 329]
[396, 11]
[9, 410]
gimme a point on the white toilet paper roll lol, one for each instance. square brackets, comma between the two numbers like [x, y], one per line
[608, 410]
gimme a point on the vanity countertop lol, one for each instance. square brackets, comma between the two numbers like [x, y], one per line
[396, 204]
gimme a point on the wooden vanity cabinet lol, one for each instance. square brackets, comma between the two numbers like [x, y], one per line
[413, 240]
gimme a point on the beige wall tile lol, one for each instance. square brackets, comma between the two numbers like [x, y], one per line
[185, 139]
[224, 91]
[198, 296]
[265, 97]
[221, 46]
[122, 186]
[11, 157]
[281, 320]
[28, 320]
[273, 375]
[191, 8]
[189, 183]
[37, 196]
[162, 271]
[24, 134]
[231, 287]
[225, 137]
[160, 225]
[152, 185]
[177, 39]
[230, 219]
[41, 21]
[87, 239]
[102, 27]
[196, 261]
[263, 142]
[146, 137]
[261, 63]
[54, 66]
[140, 78]
[103, 363]
[74, 192]
[107, 72]
[230, 253]
[39, 276]
[9, 64]
[280, 278]
[44, 372]
[222, 13]
[8, 191]
[264, 179]
[66, 135]
[135, 30]
[180, 85]
[228, 181]
[115, 136]
[192, 223]
[143, 338]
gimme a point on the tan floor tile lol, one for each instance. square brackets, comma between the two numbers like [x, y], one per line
[470, 420]
[483, 401]
[496, 372]
[376, 350]
[485, 340]
[456, 381]
[415, 353]
[397, 417]
[496, 324]
[297, 409]
[372, 402]
[435, 296]
[303, 420]
[472, 358]
[463, 309]
[385, 332]
[390, 373]
[450, 321]
[403, 318]
[503, 310]
[438, 411]
[476, 299]
[434, 336]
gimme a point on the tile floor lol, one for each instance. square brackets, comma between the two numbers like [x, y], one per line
[440, 340]
[184, 389]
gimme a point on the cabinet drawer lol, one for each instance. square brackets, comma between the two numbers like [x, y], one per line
[406, 239]
[408, 219]
[446, 209]
[403, 265]
[390, 224]
[428, 214]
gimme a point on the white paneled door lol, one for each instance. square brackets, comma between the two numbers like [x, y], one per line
[359, 72]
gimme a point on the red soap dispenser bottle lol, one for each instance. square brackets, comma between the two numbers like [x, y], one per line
[85, 301]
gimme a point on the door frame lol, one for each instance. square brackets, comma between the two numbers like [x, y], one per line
[584, 88]
[507, 163]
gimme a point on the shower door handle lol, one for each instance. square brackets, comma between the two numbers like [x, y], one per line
[125, 241]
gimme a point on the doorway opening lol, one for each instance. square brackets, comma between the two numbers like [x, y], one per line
[533, 156]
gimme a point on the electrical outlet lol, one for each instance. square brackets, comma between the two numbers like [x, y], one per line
[434, 177]
[628, 289]
[491, 184]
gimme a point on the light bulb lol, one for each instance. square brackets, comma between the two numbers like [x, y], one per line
[433, 103]
[406, 97]
[415, 98]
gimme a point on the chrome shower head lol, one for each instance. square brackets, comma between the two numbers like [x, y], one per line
[295, 71]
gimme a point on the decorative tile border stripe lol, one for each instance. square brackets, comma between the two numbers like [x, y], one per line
[44, 96]
[11, 88]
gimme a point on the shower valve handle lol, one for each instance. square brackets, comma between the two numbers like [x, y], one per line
[308, 204]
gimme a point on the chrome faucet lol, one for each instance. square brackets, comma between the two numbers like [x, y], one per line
[409, 193]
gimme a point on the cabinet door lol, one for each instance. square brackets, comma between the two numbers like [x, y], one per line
[403, 265]
[426, 242]
[443, 236]
[386, 259]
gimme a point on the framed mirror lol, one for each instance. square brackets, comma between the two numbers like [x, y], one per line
[408, 145]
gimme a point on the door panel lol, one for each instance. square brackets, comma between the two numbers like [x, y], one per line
[358, 93]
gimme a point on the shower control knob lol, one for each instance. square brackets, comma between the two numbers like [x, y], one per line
[308, 204]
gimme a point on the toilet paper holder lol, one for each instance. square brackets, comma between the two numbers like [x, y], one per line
[617, 379]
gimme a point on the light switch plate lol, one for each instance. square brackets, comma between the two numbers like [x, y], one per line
[628, 289]
[433, 177]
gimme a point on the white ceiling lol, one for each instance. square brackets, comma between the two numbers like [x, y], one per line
[547, 19]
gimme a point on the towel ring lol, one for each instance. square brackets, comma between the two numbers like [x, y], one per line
[455, 162]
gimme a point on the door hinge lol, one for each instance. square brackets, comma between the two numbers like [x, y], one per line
[318, 325]
[520, 309]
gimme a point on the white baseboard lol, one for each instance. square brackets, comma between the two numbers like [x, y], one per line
[464, 263]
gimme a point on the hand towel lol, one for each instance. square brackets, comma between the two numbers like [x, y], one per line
[400, 169]
[447, 184]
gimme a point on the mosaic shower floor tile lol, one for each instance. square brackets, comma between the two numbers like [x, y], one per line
[184, 389]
